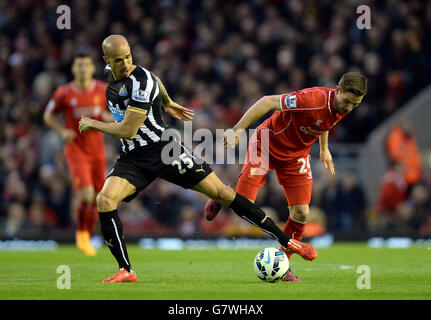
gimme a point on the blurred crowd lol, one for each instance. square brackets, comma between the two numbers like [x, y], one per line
[216, 57]
[404, 199]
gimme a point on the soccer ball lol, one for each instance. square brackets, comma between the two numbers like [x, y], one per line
[271, 264]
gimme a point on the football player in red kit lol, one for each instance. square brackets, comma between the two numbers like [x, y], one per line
[282, 143]
[84, 153]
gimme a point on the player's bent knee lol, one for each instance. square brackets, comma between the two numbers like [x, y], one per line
[88, 198]
[87, 195]
[300, 212]
[105, 203]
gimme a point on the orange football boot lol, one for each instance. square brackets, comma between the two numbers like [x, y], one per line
[83, 243]
[305, 250]
[289, 252]
[122, 276]
[79, 240]
[87, 247]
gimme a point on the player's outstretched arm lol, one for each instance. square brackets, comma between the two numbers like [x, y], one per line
[256, 111]
[125, 129]
[172, 108]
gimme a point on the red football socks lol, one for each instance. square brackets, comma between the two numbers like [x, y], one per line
[295, 230]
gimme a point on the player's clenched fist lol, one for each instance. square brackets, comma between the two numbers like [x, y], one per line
[231, 137]
[85, 124]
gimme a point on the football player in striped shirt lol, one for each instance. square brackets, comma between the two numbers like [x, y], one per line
[136, 98]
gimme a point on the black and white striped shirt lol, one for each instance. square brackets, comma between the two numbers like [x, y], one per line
[139, 92]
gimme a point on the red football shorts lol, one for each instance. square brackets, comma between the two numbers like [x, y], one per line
[85, 171]
[293, 174]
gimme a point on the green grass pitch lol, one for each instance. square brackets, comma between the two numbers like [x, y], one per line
[216, 274]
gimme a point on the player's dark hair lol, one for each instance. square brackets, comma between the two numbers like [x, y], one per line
[81, 53]
[353, 82]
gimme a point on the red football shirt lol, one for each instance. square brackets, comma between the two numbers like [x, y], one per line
[304, 115]
[75, 102]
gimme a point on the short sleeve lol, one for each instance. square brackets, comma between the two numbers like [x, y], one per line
[55, 104]
[303, 100]
[289, 102]
[144, 87]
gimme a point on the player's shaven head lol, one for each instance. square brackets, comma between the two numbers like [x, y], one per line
[117, 54]
[353, 82]
[113, 43]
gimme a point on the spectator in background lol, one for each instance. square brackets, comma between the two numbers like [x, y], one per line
[330, 203]
[392, 193]
[188, 222]
[16, 219]
[352, 203]
[420, 202]
[165, 202]
[316, 224]
[410, 216]
[343, 202]
[396, 211]
[138, 220]
[403, 201]
[402, 150]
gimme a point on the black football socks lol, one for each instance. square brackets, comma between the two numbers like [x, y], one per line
[112, 231]
[253, 214]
